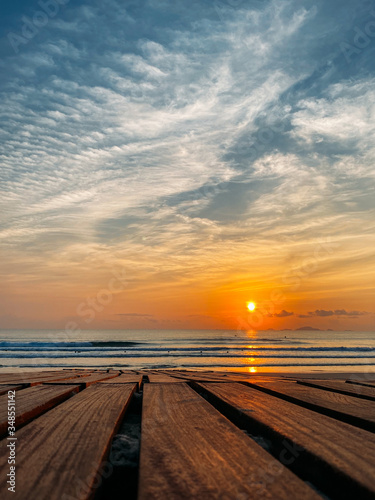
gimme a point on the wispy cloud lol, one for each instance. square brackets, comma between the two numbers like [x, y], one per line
[131, 137]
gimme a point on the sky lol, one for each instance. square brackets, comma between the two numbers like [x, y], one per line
[163, 163]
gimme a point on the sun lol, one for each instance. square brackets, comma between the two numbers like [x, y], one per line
[251, 306]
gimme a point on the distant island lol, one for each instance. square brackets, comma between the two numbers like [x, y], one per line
[307, 328]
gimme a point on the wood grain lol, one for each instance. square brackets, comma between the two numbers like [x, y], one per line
[198, 376]
[124, 378]
[358, 391]
[35, 378]
[343, 407]
[85, 381]
[190, 451]
[343, 455]
[32, 402]
[5, 388]
[367, 383]
[220, 376]
[161, 378]
[59, 455]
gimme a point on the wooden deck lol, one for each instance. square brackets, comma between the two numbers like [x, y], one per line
[181, 434]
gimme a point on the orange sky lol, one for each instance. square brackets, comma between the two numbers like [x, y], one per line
[211, 157]
[209, 289]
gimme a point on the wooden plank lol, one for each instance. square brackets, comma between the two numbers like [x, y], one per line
[176, 377]
[189, 450]
[32, 402]
[39, 378]
[5, 388]
[366, 383]
[124, 379]
[5, 377]
[346, 408]
[220, 377]
[161, 378]
[195, 376]
[358, 391]
[11, 378]
[59, 454]
[340, 456]
[85, 381]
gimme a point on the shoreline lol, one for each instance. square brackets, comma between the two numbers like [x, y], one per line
[313, 374]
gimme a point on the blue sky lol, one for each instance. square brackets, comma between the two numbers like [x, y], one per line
[187, 142]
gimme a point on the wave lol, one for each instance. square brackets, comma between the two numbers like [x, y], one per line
[65, 345]
[132, 355]
[190, 365]
[133, 346]
[44, 344]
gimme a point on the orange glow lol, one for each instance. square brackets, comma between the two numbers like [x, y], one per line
[252, 369]
[158, 302]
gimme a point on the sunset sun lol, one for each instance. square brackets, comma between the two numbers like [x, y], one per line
[251, 306]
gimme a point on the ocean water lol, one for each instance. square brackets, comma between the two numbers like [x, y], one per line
[263, 351]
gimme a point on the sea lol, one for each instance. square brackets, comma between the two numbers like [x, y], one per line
[245, 351]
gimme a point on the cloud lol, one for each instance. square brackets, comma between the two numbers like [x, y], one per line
[337, 312]
[321, 312]
[340, 117]
[281, 314]
[131, 137]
